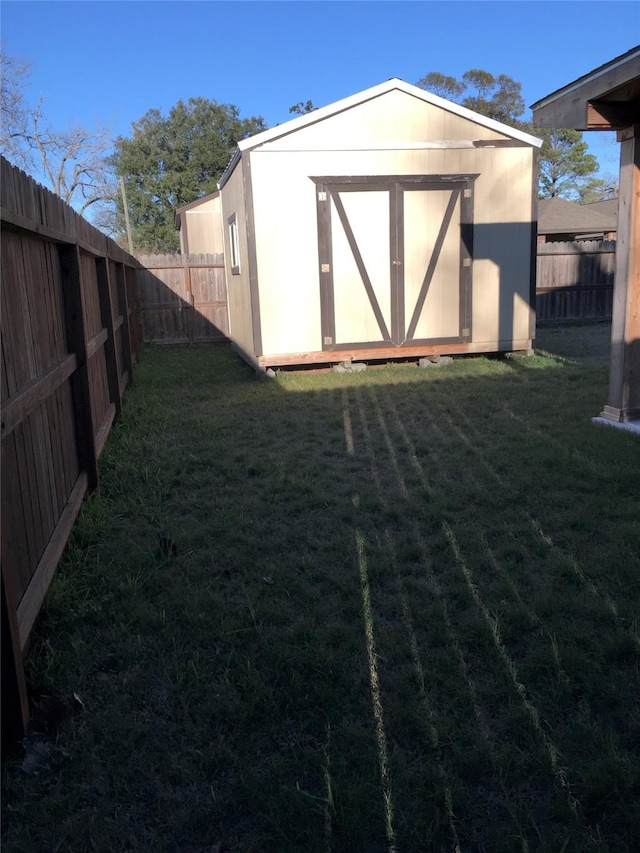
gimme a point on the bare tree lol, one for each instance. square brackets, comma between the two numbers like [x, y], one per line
[72, 163]
[14, 116]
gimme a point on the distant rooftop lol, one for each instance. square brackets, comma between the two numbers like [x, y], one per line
[557, 216]
[609, 207]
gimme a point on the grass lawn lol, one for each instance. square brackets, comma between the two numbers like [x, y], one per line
[395, 610]
[586, 344]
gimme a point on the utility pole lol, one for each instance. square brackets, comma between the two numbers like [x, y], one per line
[126, 214]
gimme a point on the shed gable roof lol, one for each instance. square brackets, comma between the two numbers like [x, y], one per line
[177, 216]
[393, 85]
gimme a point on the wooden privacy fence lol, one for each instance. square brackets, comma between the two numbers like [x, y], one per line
[575, 280]
[68, 343]
[183, 298]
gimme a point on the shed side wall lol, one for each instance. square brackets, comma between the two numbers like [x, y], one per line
[238, 284]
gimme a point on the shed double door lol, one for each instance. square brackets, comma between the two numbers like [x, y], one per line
[395, 259]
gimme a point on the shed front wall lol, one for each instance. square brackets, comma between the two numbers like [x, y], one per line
[286, 229]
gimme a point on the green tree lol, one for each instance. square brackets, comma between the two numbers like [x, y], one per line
[567, 169]
[173, 160]
[442, 85]
[302, 108]
[499, 98]
[598, 189]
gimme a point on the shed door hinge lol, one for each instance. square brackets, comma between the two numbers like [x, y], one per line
[466, 333]
[466, 262]
[325, 268]
[322, 196]
[466, 193]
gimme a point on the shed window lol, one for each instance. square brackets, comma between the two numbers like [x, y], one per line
[234, 244]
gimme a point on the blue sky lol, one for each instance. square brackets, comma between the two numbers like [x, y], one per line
[110, 61]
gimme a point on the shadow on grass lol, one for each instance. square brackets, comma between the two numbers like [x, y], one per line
[587, 343]
[397, 611]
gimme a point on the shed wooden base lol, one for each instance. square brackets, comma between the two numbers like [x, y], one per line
[387, 353]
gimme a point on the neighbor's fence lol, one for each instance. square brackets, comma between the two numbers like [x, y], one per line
[575, 281]
[69, 339]
[183, 299]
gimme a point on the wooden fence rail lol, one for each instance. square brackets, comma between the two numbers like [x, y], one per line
[69, 340]
[183, 298]
[575, 281]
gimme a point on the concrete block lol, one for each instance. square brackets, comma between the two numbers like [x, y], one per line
[435, 361]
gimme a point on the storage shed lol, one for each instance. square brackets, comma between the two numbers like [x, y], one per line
[200, 226]
[390, 224]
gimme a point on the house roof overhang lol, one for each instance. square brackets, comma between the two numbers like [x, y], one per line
[607, 98]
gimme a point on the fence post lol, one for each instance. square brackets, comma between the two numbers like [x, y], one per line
[80, 383]
[125, 332]
[189, 290]
[106, 313]
[15, 703]
[130, 309]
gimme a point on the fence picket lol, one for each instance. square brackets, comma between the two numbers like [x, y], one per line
[575, 281]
